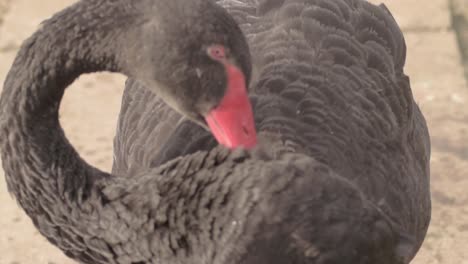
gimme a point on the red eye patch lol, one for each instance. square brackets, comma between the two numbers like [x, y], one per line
[217, 52]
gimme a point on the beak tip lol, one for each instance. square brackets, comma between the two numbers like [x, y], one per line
[232, 130]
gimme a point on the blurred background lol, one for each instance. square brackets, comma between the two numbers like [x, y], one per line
[436, 33]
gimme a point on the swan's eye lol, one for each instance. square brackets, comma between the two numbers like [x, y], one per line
[216, 52]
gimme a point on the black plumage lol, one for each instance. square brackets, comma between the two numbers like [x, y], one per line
[341, 174]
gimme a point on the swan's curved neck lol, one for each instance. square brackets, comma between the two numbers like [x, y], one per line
[80, 39]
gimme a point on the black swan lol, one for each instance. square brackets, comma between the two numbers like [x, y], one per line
[340, 173]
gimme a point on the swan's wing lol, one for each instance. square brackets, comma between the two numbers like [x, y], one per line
[338, 63]
[330, 83]
[144, 124]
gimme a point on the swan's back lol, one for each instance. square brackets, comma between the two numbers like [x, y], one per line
[328, 82]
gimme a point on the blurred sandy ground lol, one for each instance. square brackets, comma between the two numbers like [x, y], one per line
[90, 108]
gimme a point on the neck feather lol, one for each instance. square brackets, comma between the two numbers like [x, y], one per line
[37, 158]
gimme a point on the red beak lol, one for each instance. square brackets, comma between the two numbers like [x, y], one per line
[232, 122]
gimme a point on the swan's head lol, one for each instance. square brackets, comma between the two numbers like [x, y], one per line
[197, 60]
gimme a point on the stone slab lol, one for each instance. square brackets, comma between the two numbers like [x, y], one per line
[420, 15]
[4, 6]
[438, 83]
[460, 23]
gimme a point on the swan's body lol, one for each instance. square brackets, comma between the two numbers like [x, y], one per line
[341, 176]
